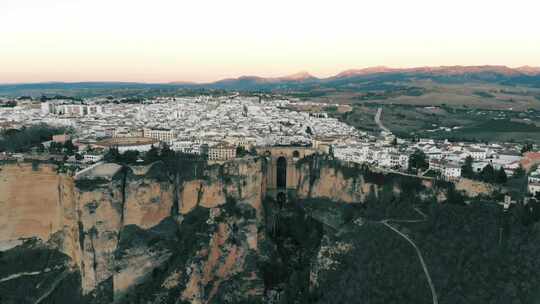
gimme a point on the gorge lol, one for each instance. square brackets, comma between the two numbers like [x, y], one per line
[195, 233]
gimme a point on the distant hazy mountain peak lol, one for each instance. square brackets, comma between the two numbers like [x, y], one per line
[529, 70]
[442, 70]
[366, 71]
[302, 75]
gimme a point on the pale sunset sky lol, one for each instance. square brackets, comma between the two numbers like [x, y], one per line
[202, 40]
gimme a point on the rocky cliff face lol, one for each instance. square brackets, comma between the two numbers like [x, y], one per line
[330, 182]
[102, 219]
[152, 235]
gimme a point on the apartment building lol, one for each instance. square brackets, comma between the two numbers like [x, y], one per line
[221, 151]
[165, 135]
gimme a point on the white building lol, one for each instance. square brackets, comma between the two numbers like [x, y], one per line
[92, 158]
[477, 154]
[124, 144]
[165, 135]
[449, 171]
[186, 147]
[221, 152]
[534, 188]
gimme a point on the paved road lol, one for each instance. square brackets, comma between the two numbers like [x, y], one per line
[378, 120]
[418, 253]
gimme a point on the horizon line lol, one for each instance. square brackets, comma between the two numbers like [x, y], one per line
[187, 82]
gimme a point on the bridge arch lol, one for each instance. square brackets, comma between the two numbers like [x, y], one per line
[281, 172]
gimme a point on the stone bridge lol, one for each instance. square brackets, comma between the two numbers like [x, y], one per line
[282, 173]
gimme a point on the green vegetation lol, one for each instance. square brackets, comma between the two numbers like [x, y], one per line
[527, 147]
[501, 125]
[241, 151]
[483, 94]
[391, 93]
[475, 254]
[418, 161]
[488, 173]
[26, 138]
[87, 184]
[493, 130]
[446, 122]
[8, 104]
[331, 109]
[295, 238]
[33, 256]
[66, 148]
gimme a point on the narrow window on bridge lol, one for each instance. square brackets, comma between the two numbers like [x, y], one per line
[296, 154]
[281, 173]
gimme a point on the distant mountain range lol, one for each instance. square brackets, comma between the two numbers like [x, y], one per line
[373, 78]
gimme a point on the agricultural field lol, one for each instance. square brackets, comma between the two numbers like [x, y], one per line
[425, 93]
[467, 111]
[444, 122]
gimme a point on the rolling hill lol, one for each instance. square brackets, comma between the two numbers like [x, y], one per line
[374, 78]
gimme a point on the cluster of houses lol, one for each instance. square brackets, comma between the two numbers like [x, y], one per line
[217, 126]
[534, 182]
[448, 157]
[199, 125]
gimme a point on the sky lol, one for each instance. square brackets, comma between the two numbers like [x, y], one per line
[203, 40]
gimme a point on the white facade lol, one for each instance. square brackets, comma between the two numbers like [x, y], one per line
[186, 147]
[534, 188]
[165, 135]
[221, 152]
[451, 172]
[92, 158]
[140, 148]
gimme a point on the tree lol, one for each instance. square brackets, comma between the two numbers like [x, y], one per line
[112, 155]
[241, 151]
[467, 169]
[501, 177]
[394, 141]
[130, 156]
[519, 172]
[488, 174]
[23, 140]
[69, 147]
[78, 157]
[253, 151]
[55, 147]
[526, 148]
[418, 161]
[151, 155]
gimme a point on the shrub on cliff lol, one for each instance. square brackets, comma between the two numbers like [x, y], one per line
[22, 140]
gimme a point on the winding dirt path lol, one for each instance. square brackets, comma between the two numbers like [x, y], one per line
[24, 274]
[418, 253]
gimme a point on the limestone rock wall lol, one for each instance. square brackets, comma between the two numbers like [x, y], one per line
[331, 184]
[87, 219]
[120, 224]
[30, 201]
[100, 221]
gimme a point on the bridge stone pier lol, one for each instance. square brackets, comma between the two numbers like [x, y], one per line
[282, 174]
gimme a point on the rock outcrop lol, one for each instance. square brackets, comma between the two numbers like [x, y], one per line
[99, 218]
[198, 234]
